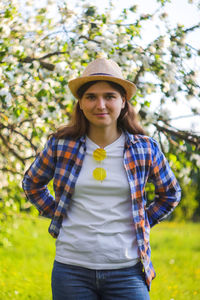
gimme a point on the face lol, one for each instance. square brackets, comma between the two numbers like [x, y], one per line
[102, 105]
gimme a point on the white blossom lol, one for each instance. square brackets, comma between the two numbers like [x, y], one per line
[197, 110]
[137, 107]
[109, 35]
[166, 87]
[196, 157]
[91, 46]
[185, 173]
[173, 89]
[10, 59]
[161, 72]
[195, 75]
[122, 29]
[4, 91]
[152, 49]
[17, 90]
[6, 30]
[16, 48]
[85, 30]
[189, 97]
[44, 99]
[107, 43]
[99, 38]
[45, 86]
[52, 82]
[102, 54]
[36, 64]
[135, 56]
[61, 67]
[164, 112]
[183, 39]
[122, 59]
[175, 49]
[77, 53]
[164, 42]
[104, 28]
[8, 100]
[86, 5]
[150, 117]
[171, 72]
[146, 61]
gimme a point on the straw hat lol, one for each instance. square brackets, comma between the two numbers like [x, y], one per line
[102, 69]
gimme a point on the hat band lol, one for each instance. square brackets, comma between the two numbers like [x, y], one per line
[100, 74]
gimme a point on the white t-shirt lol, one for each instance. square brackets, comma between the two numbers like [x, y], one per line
[98, 231]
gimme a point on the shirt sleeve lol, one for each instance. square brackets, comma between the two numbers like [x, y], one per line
[36, 179]
[167, 189]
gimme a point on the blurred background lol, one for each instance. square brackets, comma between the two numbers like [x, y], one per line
[43, 44]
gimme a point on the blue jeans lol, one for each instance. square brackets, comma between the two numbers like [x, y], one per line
[78, 283]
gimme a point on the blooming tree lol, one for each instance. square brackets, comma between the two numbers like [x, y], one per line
[40, 50]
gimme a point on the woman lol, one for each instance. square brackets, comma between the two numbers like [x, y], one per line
[100, 164]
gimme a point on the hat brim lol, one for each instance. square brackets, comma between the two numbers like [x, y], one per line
[129, 86]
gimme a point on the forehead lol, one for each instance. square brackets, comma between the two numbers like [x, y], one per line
[102, 87]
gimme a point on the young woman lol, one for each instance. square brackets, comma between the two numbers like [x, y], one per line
[100, 163]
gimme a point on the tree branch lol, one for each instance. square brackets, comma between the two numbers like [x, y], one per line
[43, 64]
[186, 136]
[138, 74]
[12, 171]
[29, 59]
[10, 149]
[183, 117]
[9, 127]
[192, 28]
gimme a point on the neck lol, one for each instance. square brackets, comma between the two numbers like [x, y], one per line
[103, 136]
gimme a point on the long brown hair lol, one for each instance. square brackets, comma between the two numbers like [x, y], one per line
[79, 125]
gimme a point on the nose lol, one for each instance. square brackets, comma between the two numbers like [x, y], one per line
[101, 103]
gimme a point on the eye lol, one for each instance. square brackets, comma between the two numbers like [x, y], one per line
[90, 97]
[110, 96]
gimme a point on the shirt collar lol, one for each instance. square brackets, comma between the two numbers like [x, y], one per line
[83, 139]
[129, 139]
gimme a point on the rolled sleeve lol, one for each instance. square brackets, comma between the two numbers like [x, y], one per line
[167, 188]
[36, 179]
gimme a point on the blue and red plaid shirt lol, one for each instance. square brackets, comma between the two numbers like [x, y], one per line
[61, 160]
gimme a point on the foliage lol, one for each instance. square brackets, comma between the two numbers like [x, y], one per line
[29, 253]
[189, 204]
[41, 51]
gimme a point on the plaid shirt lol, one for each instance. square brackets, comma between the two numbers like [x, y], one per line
[61, 160]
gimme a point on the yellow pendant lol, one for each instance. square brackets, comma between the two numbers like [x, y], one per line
[99, 174]
[99, 154]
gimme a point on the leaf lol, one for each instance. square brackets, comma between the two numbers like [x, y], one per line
[90, 11]
[51, 108]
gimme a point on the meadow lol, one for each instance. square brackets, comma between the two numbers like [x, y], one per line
[27, 253]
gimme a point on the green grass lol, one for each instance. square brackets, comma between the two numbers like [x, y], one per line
[176, 258]
[27, 256]
[26, 263]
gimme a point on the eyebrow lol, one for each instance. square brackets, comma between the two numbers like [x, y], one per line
[107, 93]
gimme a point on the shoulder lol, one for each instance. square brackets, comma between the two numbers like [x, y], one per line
[145, 148]
[142, 141]
[64, 144]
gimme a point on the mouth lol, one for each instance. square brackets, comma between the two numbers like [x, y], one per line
[101, 114]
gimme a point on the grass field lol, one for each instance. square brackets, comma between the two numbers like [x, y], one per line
[27, 256]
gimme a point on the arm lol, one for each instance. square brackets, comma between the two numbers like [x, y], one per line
[167, 189]
[37, 177]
